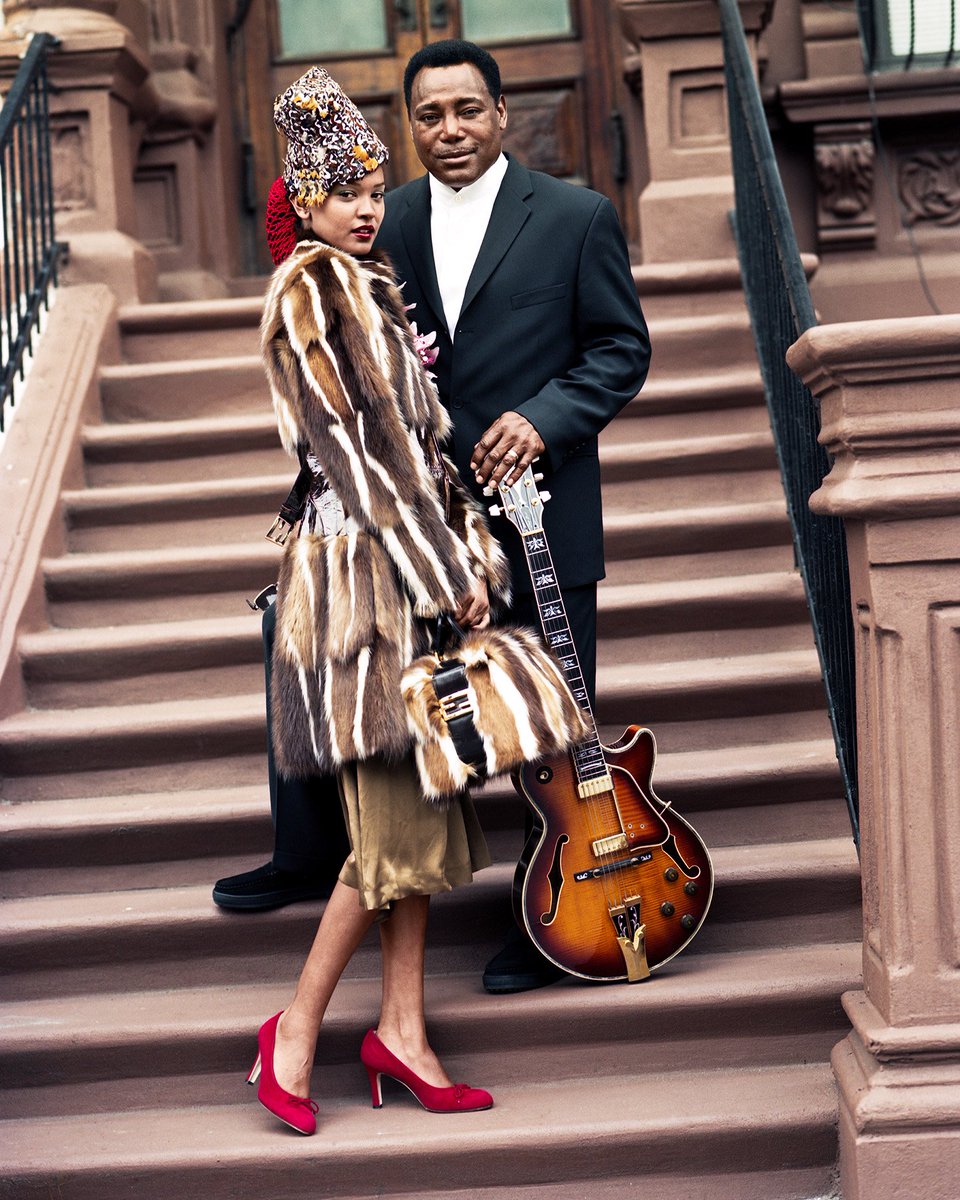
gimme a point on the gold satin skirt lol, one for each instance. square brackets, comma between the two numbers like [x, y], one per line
[400, 844]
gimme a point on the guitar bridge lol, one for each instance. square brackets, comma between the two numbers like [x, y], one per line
[631, 938]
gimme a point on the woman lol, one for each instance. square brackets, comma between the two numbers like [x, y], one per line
[390, 540]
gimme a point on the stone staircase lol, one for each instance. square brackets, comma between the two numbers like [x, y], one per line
[136, 777]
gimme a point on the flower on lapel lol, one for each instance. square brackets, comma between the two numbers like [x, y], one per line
[424, 342]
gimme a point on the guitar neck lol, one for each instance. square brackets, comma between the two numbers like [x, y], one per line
[588, 755]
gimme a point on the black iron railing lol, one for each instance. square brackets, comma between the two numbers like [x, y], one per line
[30, 253]
[780, 310]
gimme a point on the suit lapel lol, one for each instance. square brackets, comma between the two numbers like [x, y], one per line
[510, 213]
[415, 229]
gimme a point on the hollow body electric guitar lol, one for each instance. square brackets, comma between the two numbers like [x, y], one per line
[612, 882]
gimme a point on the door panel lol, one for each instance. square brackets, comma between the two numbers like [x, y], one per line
[554, 58]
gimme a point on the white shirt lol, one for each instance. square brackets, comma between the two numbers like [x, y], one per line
[458, 221]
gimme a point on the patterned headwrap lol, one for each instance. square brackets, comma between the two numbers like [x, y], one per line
[328, 138]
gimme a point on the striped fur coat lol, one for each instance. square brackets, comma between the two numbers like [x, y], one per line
[348, 386]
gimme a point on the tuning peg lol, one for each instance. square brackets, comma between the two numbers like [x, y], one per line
[488, 490]
[538, 478]
[496, 510]
[544, 496]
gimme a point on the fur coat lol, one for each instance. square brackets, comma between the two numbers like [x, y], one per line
[349, 387]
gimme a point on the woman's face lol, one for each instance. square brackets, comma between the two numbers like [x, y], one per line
[350, 216]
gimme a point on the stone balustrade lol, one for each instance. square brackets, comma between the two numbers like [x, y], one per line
[890, 414]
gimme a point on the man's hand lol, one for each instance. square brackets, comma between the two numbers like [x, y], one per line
[474, 610]
[507, 448]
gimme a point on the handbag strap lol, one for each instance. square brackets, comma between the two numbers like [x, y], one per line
[456, 707]
[292, 508]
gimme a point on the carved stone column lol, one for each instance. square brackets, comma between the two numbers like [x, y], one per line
[890, 397]
[675, 65]
[844, 157]
[867, 193]
[97, 79]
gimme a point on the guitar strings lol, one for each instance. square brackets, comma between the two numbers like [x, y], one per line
[557, 632]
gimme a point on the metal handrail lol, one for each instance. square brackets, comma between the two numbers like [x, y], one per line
[780, 307]
[30, 252]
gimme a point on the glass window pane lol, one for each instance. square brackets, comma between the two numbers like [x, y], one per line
[311, 30]
[504, 20]
[930, 20]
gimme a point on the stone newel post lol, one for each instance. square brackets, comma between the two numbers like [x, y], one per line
[677, 69]
[890, 395]
[97, 105]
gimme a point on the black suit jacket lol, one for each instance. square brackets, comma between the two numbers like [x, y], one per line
[550, 327]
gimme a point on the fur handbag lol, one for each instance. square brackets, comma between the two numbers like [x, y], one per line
[495, 702]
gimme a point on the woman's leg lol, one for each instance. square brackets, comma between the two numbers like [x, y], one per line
[342, 928]
[402, 1027]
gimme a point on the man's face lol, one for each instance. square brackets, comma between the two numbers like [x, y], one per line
[457, 129]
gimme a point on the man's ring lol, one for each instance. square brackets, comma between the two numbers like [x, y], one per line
[511, 455]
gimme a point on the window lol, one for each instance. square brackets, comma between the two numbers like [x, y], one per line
[311, 30]
[909, 34]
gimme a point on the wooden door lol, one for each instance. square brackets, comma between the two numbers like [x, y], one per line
[554, 57]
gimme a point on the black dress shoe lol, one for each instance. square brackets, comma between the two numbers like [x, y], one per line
[269, 887]
[519, 967]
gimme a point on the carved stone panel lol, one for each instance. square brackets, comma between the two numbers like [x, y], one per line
[158, 218]
[929, 184]
[73, 185]
[844, 158]
[698, 109]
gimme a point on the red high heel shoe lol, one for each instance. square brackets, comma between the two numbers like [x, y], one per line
[299, 1112]
[380, 1061]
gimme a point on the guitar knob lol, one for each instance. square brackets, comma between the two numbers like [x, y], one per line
[690, 888]
[545, 496]
[671, 874]
[495, 510]
[667, 908]
[538, 478]
[687, 921]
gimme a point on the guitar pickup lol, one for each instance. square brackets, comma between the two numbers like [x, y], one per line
[610, 845]
[593, 787]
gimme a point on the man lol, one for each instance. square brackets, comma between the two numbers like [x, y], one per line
[541, 339]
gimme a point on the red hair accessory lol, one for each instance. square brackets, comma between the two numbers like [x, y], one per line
[281, 222]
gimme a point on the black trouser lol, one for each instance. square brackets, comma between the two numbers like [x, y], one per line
[309, 833]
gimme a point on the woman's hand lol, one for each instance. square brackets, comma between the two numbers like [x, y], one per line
[474, 609]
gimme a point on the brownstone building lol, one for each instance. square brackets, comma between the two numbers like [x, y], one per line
[141, 467]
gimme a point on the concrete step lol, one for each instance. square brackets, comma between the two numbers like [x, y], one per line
[178, 730]
[737, 793]
[660, 458]
[172, 332]
[766, 895]
[144, 436]
[194, 448]
[73, 667]
[121, 586]
[187, 1033]
[641, 475]
[169, 516]
[776, 1119]
[199, 329]
[698, 529]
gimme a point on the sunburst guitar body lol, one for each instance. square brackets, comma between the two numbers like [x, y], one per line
[613, 882]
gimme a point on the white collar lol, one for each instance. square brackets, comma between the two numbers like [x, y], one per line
[482, 190]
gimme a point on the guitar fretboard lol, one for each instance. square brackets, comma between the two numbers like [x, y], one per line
[587, 755]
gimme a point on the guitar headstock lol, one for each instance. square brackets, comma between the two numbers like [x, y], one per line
[522, 502]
